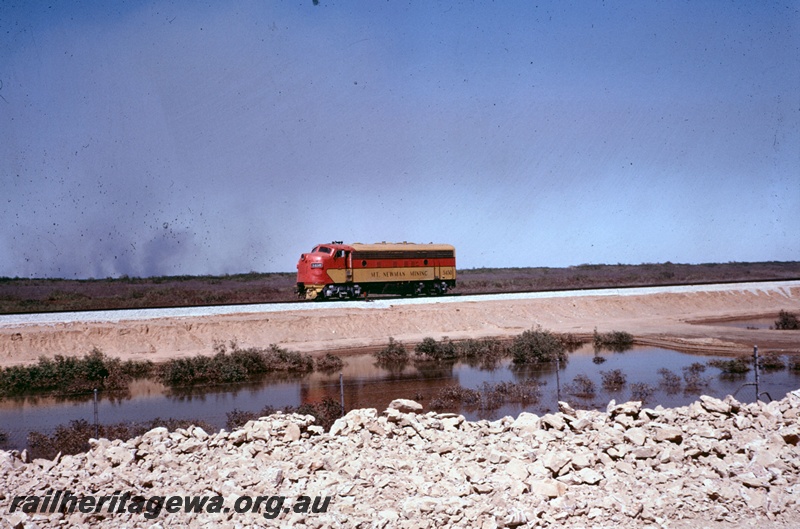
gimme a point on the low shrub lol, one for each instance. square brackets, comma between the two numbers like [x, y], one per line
[430, 349]
[692, 375]
[280, 359]
[581, 386]
[794, 363]
[237, 366]
[613, 380]
[393, 354]
[787, 321]
[476, 348]
[531, 347]
[201, 370]
[570, 341]
[612, 341]
[642, 391]
[537, 346]
[137, 368]
[65, 375]
[487, 352]
[491, 397]
[526, 392]
[452, 397]
[487, 397]
[328, 363]
[771, 362]
[733, 366]
[670, 381]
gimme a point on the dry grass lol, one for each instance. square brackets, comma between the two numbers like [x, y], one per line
[43, 295]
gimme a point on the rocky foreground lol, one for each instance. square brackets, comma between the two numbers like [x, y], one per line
[717, 463]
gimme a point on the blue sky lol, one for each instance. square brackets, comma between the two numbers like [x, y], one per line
[164, 138]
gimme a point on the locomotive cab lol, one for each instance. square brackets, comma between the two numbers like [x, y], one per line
[326, 272]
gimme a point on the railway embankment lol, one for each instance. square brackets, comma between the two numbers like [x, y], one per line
[662, 316]
[715, 463]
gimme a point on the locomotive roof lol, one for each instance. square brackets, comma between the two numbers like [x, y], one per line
[399, 246]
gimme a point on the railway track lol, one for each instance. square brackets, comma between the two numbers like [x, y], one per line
[117, 315]
[463, 292]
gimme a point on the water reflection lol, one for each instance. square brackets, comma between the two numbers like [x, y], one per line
[367, 385]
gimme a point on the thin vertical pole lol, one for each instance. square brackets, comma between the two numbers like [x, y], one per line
[755, 366]
[96, 425]
[341, 391]
[558, 380]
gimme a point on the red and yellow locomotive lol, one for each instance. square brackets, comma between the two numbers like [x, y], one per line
[345, 271]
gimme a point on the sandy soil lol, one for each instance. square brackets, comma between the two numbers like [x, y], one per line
[676, 320]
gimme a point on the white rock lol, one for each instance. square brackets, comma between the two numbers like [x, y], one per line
[405, 406]
[714, 405]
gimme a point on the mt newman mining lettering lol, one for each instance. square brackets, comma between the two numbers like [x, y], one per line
[401, 273]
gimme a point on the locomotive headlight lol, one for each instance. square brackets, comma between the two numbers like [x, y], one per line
[316, 265]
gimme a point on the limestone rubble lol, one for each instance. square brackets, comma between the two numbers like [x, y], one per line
[714, 463]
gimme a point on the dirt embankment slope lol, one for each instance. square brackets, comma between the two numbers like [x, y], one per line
[663, 319]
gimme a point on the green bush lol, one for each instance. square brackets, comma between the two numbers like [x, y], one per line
[280, 359]
[613, 341]
[670, 381]
[771, 362]
[328, 363]
[430, 349]
[452, 397]
[488, 397]
[137, 368]
[692, 375]
[237, 366]
[794, 363]
[487, 352]
[613, 380]
[524, 392]
[581, 386]
[641, 391]
[537, 346]
[787, 321]
[733, 366]
[570, 341]
[64, 375]
[393, 354]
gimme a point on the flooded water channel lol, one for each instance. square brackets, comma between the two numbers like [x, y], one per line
[368, 386]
